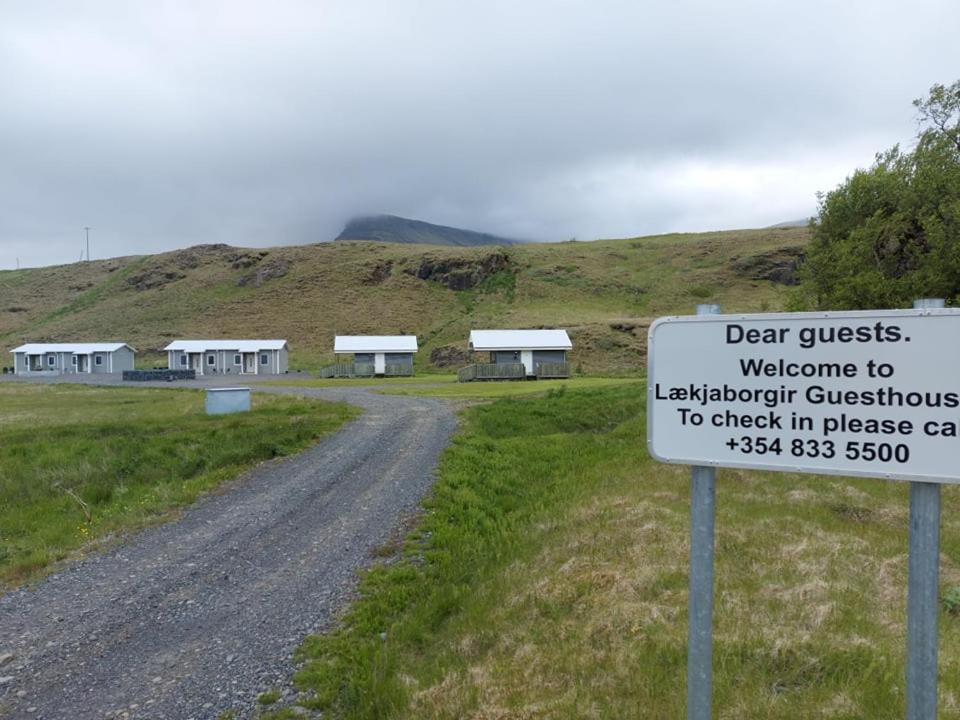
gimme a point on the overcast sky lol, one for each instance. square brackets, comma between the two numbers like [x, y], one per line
[167, 124]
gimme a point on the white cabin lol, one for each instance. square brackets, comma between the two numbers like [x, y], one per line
[229, 357]
[529, 347]
[382, 351]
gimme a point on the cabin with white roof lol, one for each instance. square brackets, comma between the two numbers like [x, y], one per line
[72, 358]
[517, 354]
[229, 357]
[368, 355]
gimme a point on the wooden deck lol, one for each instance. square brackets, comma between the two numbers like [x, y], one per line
[512, 371]
[362, 370]
[492, 371]
[553, 370]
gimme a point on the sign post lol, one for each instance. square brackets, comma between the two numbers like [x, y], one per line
[923, 590]
[703, 483]
[865, 393]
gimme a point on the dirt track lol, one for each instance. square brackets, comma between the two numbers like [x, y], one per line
[202, 614]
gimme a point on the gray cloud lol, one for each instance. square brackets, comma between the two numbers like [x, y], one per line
[167, 124]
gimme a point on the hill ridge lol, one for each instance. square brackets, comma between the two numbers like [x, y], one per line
[396, 229]
[605, 292]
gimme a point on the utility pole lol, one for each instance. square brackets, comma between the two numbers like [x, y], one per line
[87, 230]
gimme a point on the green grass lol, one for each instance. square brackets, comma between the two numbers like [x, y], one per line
[604, 292]
[447, 386]
[363, 382]
[81, 463]
[268, 697]
[504, 388]
[548, 577]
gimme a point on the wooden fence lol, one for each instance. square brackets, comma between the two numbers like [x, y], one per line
[347, 370]
[492, 371]
[355, 370]
[512, 371]
[553, 370]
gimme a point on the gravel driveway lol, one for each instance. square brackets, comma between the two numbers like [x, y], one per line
[200, 615]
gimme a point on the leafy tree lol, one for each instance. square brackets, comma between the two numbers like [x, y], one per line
[941, 112]
[891, 233]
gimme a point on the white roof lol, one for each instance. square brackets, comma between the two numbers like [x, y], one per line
[374, 343]
[199, 346]
[76, 348]
[484, 340]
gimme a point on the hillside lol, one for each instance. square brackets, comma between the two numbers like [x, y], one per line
[605, 292]
[393, 229]
[800, 222]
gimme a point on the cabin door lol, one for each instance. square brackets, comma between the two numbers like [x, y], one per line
[250, 363]
[526, 357]
[196, 362]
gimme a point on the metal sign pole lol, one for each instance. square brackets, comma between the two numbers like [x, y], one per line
[923, 601]
[700, 630]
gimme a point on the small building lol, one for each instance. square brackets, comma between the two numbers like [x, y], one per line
[72, 358]
[229, 357]
[520, 353]
[387, 355]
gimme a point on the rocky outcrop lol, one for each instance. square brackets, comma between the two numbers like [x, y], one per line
[154, 277]
[243, 260]
[378, 272]
[460, 273]
[175, 266]
[194, 257]
[447, 356]
[779, 266]
[270, 270]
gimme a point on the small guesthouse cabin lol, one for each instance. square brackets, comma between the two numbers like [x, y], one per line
[521, 353]
[229, 357]
[376, 354]
[72, 358]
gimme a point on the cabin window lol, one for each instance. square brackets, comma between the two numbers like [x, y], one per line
[264, 359]
[99, 360]
[211, 359]
[73, 360]
[183, 360]
[51, 360]
[236, 359]
[26, 361]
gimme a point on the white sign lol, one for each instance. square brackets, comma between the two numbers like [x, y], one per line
[872, 393]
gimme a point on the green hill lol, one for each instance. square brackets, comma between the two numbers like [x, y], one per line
[604, 292]
[393, 229]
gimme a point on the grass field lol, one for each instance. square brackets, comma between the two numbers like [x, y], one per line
[548, 579]
[605, 292]
[446, 386]
[78, 463]
[365, 382]
[501, 389]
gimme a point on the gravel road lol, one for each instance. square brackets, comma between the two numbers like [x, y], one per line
[200, 615]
